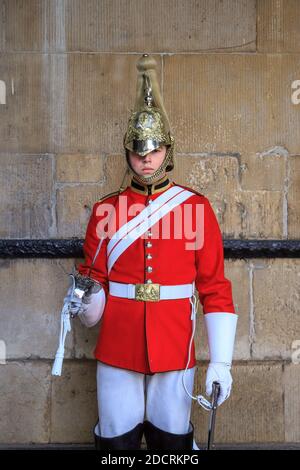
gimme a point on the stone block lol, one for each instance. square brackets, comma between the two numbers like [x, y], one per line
[114, 26]
[67, 103]
[79, 168]
[74, 208]
[74, 403]
[293, 197]
[254, 411]
[207, 173]
[278, 26]
[26, 183]
[25, 402]
[291, 399]
[264, 171]
[114, 170]
[85, 340]
[232, 103]
[32, 293]
[25, 124]
[249, 214]
[237, 272]
[75, 202]
[276, 287]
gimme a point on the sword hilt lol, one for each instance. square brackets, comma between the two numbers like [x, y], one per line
[215, 394]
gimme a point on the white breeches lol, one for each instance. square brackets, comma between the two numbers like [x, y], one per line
[127, 398]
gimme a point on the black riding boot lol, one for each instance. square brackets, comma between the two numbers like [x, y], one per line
[130, 440]
[157, 439]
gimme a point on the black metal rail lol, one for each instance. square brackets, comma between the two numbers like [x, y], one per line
[72, 248]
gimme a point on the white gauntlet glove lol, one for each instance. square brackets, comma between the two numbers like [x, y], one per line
[88, 306]
[92, 308]
[221, 328]
[85, 298]
[219, 373]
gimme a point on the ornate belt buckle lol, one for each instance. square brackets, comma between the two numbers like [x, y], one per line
[147, 292]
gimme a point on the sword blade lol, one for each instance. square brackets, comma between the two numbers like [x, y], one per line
[212, 416]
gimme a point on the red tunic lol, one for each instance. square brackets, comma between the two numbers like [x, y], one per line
[151, 337]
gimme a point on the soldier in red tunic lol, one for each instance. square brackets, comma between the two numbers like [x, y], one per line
[150, 248]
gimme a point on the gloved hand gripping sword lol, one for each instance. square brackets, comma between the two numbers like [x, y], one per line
[75, 303]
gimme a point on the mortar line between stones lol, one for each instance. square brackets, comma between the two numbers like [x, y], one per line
[162, 76]
[209, 154]
[53, 228]
[286, 185]
[256, 26]
[50, 409]
[70, 184]
[251, 310]
[283, 400]
[216, 51]
[241, 362]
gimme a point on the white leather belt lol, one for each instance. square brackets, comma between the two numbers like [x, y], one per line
[151, 292]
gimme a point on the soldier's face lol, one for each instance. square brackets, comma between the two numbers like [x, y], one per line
[148, 164]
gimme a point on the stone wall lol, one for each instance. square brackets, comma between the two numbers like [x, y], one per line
[229, 72]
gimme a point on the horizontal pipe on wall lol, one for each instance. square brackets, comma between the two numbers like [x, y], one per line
[72, 248]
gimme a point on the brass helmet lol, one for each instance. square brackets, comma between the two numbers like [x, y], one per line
[148, 126]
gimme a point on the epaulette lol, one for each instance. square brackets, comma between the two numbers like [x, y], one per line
[114, 193]
[189, 189]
